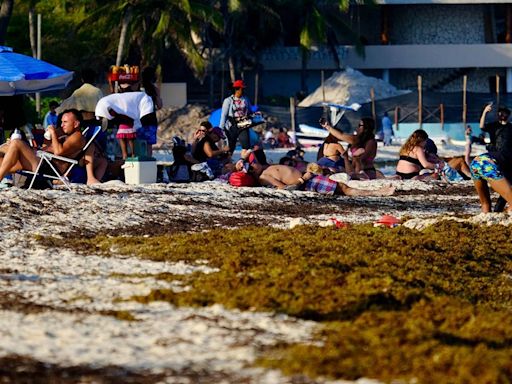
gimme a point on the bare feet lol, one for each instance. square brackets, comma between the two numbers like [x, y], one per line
[385, 191]
[92, 181]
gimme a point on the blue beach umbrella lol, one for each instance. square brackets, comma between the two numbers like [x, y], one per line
[214, 118]
[21, 74]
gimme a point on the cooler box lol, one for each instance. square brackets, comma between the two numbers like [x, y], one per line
[140, 170]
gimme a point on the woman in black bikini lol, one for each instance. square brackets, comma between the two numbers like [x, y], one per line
[413, 158]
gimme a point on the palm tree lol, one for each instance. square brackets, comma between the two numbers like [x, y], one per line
[321, 23]
[5, 15]
[149, 25]
[249, 27]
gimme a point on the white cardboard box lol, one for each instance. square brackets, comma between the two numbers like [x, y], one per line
[139, 172]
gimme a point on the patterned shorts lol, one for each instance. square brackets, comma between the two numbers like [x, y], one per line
[147, 133]
[484, 167]
[321, 184]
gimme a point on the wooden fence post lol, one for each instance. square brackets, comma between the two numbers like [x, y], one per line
[441, 112]
[323, 84]
[372, 98]
[256, 86]
[497, 92]
[211, 89]
[420, 103]
[397, 116]
[222, 85]
[292, 113]
[464, 102]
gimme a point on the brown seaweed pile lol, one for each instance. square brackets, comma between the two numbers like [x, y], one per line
[394, 304]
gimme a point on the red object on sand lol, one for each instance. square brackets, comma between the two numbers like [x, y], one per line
[388, 221]
[338, 223]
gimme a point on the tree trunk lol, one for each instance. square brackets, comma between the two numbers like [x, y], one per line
[5, 16]
[32, 30]
[304, 73]
[232, 70]
[228, 39]
[122, 37]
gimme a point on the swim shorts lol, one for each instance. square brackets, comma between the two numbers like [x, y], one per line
[148, 133]
[484, 167]
[321, 184]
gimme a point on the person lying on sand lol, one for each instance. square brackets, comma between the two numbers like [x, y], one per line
[282, 176]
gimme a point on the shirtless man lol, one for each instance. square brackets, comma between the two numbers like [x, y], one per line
[19, 155]
[282, 176]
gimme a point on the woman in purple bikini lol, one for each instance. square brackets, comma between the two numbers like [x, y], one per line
[363, 139]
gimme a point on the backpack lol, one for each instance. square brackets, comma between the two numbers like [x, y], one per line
[180, 173]
[241, 179]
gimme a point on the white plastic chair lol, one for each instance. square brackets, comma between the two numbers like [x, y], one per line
[57, 175]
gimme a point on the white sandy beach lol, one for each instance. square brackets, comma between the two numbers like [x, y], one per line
[55, 303]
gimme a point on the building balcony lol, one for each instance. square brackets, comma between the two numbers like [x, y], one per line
[395, 57]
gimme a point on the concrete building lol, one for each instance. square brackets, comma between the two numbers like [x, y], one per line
[441, 40]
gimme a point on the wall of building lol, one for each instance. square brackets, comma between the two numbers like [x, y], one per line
[478, 79]
[439, 24]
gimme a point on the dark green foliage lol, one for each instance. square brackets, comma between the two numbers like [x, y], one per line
[395, 303]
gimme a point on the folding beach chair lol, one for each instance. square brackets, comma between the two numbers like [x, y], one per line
[57, 175]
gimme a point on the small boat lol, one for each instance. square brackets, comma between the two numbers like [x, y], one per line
[308, 136]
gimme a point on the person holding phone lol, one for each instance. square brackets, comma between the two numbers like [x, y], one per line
[364, 138]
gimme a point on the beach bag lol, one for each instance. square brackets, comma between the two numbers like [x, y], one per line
[241, 179]
[201, 172]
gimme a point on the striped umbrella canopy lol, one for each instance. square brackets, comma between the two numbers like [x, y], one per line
[21, 74]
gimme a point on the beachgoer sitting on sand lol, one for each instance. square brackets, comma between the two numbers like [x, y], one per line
[282, 176]
[330, 154]
[204, 128]
[206, 150]
[19, 155]
[363, 163]
[454, 169]
[413, 158]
